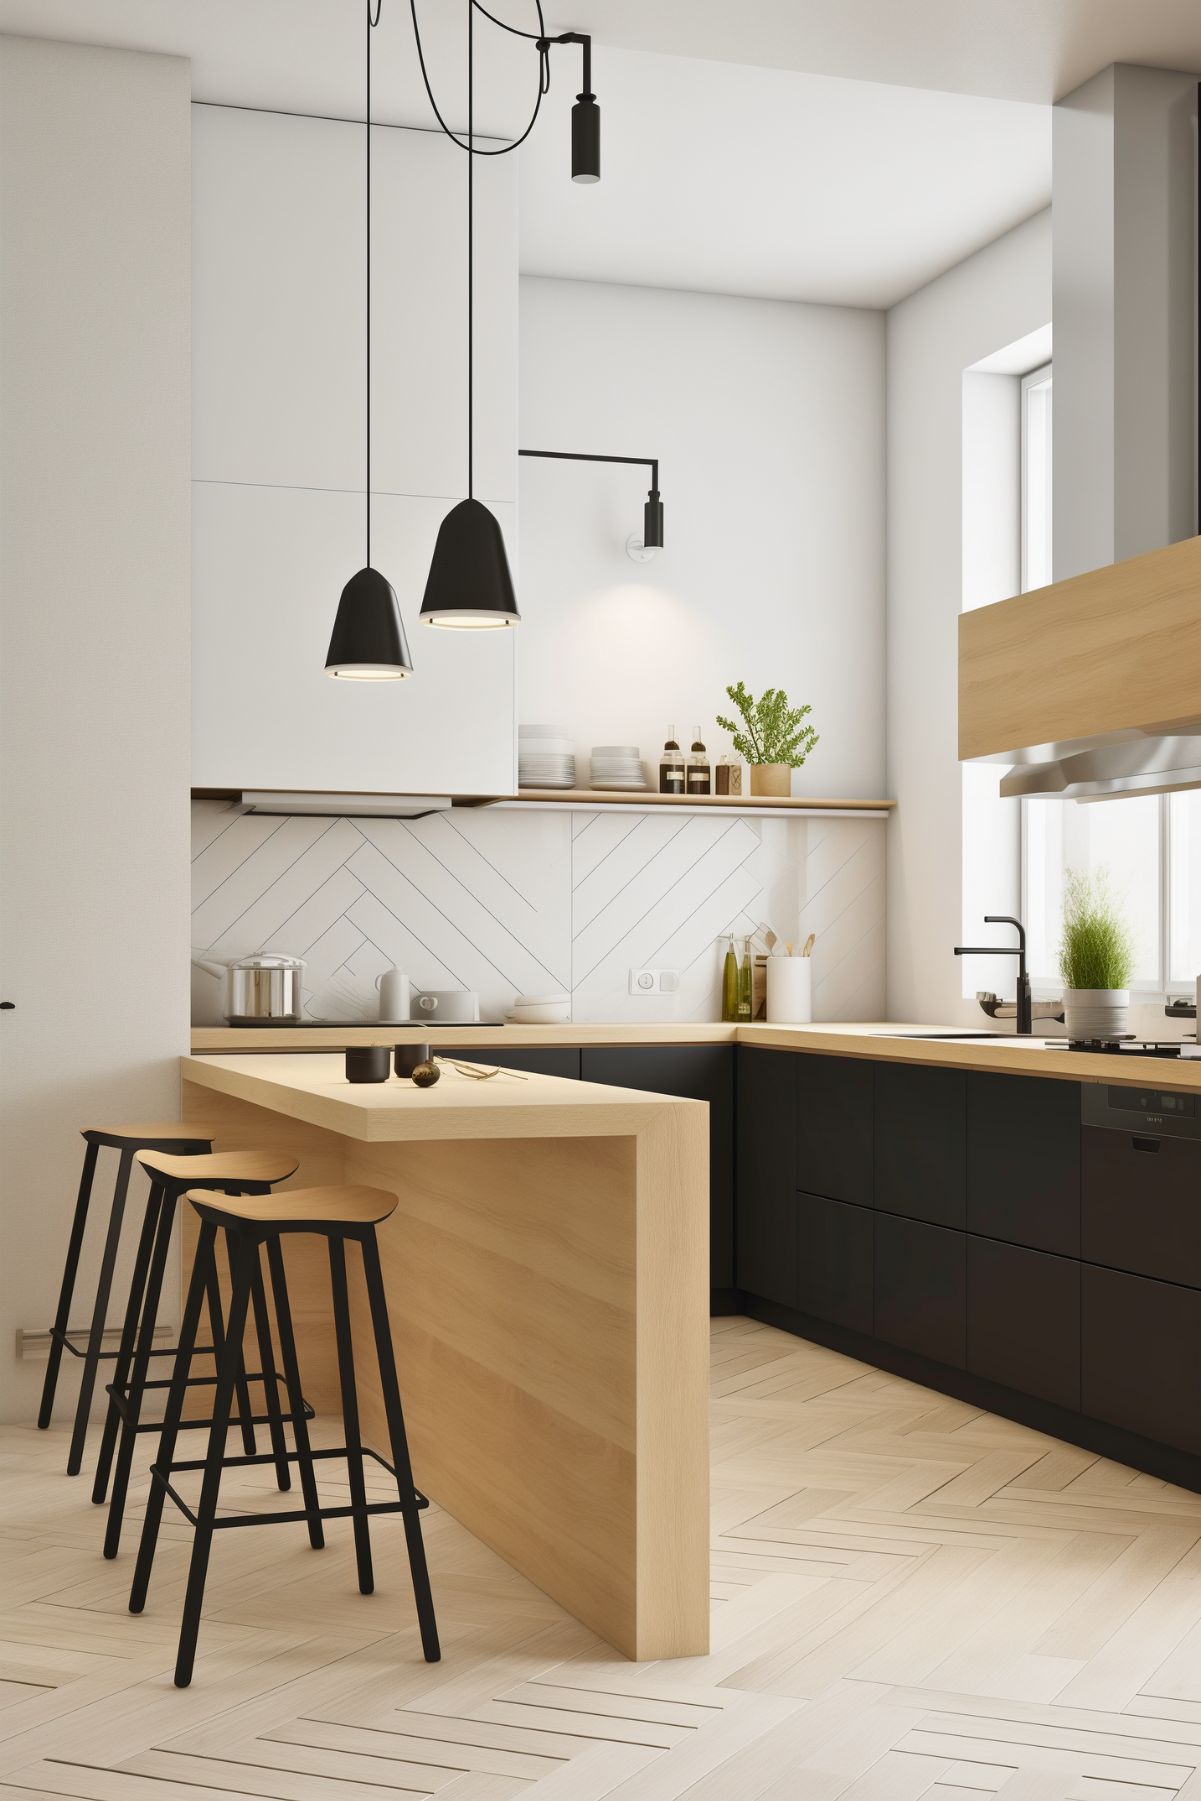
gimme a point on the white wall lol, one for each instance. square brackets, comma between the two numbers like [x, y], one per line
[768, 421]
[994, 298]
[94, 310]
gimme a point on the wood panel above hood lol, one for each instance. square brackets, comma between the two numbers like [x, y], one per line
[1116, 651]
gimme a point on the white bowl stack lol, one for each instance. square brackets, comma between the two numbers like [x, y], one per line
[617, 766]
[545, 758]
[540, 1010]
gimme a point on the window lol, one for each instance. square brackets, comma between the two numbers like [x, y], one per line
[1149, 845]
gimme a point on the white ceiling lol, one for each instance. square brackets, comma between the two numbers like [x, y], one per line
[789, 148]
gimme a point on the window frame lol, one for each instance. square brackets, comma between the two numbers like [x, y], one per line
[1033, 378]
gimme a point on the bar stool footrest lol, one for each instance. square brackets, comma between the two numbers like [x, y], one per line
[62, 1337]
[296, 1515]
[120, 1401]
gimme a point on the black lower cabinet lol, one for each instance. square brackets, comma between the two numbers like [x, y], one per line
[540, 1060]
[1023, 1320]
[1023, 1161]
[921, 1288]
[766, 1206]
[919, 1143]
[697, 1072]
[834, 1272]
[835, 1105]
[1140, 1356]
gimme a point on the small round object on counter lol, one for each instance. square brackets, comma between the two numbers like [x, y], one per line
[408, 1056]
[367, 1063]
[426, 1074]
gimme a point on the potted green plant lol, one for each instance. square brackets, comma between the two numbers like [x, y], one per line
[1096, 958]
[773, 737]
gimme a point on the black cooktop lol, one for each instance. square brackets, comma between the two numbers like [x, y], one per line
[1130, 1046]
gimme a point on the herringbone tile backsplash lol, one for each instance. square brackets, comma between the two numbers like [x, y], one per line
[535, 902]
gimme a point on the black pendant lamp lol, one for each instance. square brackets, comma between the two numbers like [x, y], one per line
[368, 640]
[469, 586]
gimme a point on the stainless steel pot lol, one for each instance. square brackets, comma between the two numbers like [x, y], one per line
[260, 988]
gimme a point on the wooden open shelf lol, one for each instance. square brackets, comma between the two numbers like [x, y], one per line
[691, 803]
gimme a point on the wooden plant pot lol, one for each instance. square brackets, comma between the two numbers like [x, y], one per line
[774, 779]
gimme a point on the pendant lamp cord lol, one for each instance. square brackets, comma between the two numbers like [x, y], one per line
[540, 38]
[372, 22]
[470, 249]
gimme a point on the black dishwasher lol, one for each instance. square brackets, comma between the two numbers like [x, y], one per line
[1140, 1194]
[1140, 1181]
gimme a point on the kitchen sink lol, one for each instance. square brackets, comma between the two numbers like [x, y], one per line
[959, 1037]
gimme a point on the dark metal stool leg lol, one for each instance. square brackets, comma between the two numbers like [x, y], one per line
[129, 1334]
[217, 1333]
[350, 1415]
[197, 1289]
[262, 1331]
[206, 1511]
[300, 1426]
[245, 1410]
[62, 1314]
[137, 1380]
[400, 1448]
[99, 1315]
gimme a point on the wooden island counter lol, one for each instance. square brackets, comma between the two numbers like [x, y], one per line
[547, 1279]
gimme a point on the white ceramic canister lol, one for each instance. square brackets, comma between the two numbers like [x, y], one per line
[393, 988]
[789, 991]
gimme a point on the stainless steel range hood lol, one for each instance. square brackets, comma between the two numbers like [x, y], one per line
[1107, 768]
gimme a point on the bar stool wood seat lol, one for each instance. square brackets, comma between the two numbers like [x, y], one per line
[249, 1223]
[184, 1138]
[253, 1171]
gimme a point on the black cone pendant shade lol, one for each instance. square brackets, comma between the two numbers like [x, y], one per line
[469, 584]
[368, 640]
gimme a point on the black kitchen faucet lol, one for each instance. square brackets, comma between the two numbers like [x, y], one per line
[1025, 1009]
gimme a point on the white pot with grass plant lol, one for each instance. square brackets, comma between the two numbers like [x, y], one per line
[1096, 958]
[773, 737]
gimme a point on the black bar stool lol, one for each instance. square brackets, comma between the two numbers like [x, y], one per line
[184, 1138]
[233, 1172]
[336, 1214]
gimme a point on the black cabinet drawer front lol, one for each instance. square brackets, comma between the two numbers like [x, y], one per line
[834, 1112]
[835, 1244]
[1023, 1320]
[1141, 1204]
[920, 1288]
[1023, 1161]
[919, 1133]
[765, 1262]
[1140, 1356]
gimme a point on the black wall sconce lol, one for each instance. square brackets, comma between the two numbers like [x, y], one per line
[640, 549]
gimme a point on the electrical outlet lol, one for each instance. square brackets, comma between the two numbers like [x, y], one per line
[654, 981]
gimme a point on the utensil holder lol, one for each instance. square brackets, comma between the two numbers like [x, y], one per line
[789, 991]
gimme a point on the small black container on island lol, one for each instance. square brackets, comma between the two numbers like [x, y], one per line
[408, 1056]
[367, 1063]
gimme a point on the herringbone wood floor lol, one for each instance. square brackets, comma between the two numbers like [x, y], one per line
[910, 1598]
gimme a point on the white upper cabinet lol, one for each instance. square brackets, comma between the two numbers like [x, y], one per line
[279, 463]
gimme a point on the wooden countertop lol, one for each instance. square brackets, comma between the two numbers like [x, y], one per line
[1005, 1055]
[509, 1105]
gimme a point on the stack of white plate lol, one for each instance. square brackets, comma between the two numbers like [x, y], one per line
[617, 766]
[545, 758]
